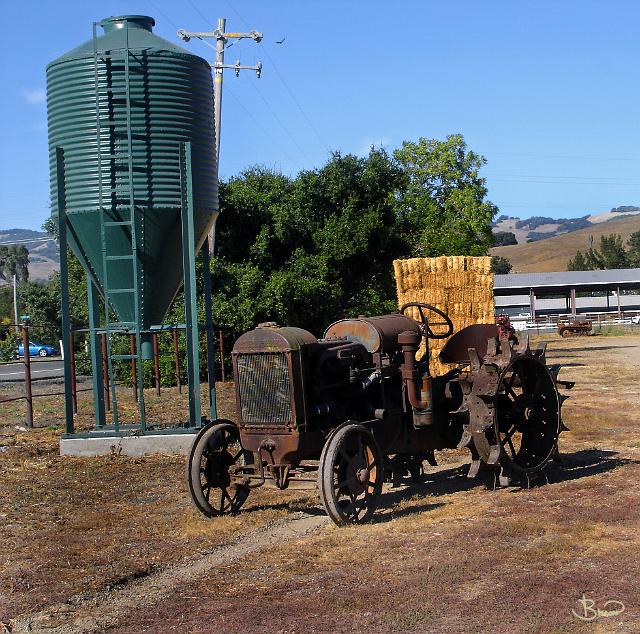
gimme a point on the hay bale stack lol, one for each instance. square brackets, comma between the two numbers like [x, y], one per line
[461, 286]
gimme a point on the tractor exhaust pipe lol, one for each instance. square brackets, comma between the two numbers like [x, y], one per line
[421, 400]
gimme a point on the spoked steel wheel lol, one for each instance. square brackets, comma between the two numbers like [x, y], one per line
[216, 451]
[350, 475]
[525, 416]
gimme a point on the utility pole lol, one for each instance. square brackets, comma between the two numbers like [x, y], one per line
[15, 302]
[221, 39]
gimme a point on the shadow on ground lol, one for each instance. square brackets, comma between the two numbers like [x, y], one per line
[588, 348]
[570, 466]
[585, 463]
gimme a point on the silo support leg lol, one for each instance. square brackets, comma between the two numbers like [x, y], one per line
[190, 296]
[64, 290]
[93, 301]
[206, 258]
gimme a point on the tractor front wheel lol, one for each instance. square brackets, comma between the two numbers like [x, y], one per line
[215, 452]
[350, 475]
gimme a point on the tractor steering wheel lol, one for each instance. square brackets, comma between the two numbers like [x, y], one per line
[425, 327]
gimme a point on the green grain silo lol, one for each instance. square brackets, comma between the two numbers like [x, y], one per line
[119, 108]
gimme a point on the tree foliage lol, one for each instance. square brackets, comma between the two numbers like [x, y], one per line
[317, 247]
[504, 238]
[444, 198]
[308, 249]
[14, 260]
[500, 265]
[612, 254]
[41, 301]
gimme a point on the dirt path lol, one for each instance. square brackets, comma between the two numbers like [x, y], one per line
[103, 611]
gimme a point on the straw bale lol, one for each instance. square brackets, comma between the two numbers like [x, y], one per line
[462, 286]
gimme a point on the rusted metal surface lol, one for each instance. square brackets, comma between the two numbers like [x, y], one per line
[263, 360]
[105, 372]
[27, 375]
[513, 411]
[304, 406]
[176, 358]
[456, 350]
[410, 342]
[376, 334]
[575, 327]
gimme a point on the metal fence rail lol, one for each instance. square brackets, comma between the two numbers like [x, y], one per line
[26, 329]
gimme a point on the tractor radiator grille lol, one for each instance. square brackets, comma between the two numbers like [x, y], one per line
[265, 389]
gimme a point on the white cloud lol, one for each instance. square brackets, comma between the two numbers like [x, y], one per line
[35, 96]
[367, 142]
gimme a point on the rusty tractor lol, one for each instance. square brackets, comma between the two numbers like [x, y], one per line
[506, 329]
[576, 327]
[354, 409]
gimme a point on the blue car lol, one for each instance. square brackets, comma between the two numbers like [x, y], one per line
[37, 349]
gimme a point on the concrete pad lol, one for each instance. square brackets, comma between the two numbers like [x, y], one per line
[127, 445]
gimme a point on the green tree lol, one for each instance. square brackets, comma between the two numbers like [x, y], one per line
[41, 301]
[443, 198]
[14, 260]
[633, 253]
[500, 265]
[578, 263]
[6, 304]
[310, 249]
[613, 254]
[504, 238]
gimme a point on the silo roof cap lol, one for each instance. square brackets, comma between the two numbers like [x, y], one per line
[127, 22]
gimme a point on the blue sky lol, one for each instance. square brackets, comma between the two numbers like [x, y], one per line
[547, 91]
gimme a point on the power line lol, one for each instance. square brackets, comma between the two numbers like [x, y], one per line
[563, 156]
[557, 182]
[282, 79]
[554, 176]
[206, 20]
[163, 14]
[259, 125]
[232, 7]
[293, 98]
[277, 118]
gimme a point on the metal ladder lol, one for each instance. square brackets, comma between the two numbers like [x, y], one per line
[113, 95]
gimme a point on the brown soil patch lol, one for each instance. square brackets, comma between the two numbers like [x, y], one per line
[73, 527]
[449, 555]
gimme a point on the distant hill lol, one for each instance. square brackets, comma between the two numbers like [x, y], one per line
[552, 254]
[542, 227]
[43, 254]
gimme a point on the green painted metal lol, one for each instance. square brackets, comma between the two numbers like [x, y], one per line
[64, 289]
[190, 294]
[120, 109]
[137, 192]
[96, 352]
[208, 317]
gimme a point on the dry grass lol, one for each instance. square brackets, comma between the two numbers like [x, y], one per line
[442, 556]
[71, 526]
[554, 253]
[449, 554]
